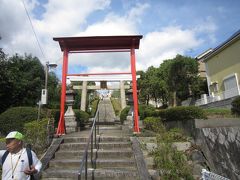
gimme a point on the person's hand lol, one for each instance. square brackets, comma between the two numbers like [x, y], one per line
[30, 171]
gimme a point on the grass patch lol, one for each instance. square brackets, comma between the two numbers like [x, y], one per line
[218, 113]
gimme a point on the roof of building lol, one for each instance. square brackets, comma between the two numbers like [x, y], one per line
[211, 52]
[99, 43]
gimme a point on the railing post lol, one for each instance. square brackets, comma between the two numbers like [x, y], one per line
[95, 136]
[86, 166]
[98, 122]
[92, 150]
[85, 156]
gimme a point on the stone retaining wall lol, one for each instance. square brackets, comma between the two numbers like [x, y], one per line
[219, 140]
[221, 147]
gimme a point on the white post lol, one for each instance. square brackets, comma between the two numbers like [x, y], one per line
[84, 96]
[123, 97]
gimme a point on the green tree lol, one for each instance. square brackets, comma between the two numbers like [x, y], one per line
[21, 80]
[54, 91]
[143, 87]
[163, 74]
[183, 73]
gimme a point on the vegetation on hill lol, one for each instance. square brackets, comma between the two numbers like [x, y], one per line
[172, 82]
[14, 118]
[22, 80]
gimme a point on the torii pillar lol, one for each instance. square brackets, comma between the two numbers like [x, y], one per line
[122, 93]
[61, 123]
[84, 96]
[92, 45]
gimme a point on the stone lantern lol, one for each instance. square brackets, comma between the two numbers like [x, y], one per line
[69, 116]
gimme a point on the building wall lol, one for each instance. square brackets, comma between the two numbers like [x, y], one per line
[223, 64]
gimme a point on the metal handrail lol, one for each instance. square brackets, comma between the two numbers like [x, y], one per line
[84, 164]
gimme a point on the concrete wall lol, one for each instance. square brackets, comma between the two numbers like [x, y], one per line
[226, 103]
[219, 140]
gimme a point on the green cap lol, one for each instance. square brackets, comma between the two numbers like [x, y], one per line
[15, 135]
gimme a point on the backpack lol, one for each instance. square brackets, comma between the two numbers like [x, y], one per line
[29, 155]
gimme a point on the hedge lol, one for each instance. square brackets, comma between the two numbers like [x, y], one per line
[116, 105]
[124, 113]
[153, 124]
[236, 106]
[182, 113]
[146, 111]
[36, 135]
[82, 117]
[14, 118]
[94, 106]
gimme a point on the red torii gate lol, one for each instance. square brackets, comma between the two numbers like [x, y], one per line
[98, 44]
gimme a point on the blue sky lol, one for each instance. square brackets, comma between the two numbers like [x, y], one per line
[169, 27]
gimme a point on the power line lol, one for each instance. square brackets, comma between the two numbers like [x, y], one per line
[33, 29]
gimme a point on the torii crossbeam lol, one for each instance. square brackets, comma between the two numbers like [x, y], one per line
[98, 44]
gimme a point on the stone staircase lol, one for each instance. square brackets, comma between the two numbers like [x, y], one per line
[106, 112]
[115, 159]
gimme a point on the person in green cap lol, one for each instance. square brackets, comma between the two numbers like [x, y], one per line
[15, 160]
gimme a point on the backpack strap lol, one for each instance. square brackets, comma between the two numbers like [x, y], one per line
[30, 160]
[4, 157]
[29, 154]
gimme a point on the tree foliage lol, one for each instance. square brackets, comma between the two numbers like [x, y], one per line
[172, 82]
[21, 80]
[182, 74]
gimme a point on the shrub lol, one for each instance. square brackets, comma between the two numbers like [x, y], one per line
[146, 111]
[94, 106]
[236, 106]
[82, 117]
[36, 134]
[124, 113]
[153, 124]
[173, 135]
[171, 163]
[14, 118]
[55, 114]
[183, 113]
[116, 105]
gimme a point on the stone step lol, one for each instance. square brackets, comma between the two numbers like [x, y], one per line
[124, 153]
[102, 139]
[104, 122]
[99, 174]
[100, 163]
[110, 128]
[102, 145]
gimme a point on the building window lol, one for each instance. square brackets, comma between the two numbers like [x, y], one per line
[231, 86]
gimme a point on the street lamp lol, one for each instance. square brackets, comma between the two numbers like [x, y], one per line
[44, 96]
[44, 91]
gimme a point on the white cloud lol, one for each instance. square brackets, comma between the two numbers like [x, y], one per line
[65, 18]
[207, 27]
[161, 45]
[69, 18]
